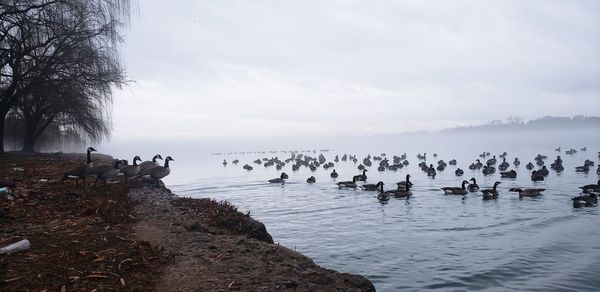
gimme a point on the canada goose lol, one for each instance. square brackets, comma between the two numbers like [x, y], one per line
[363, 176]
[585, 200]
[452, 162]
[536, 176]
[473, 187]
[544, 171]
[488, 170]
[529, 166]
[372, 187]
[148, 164]
[405, 184]
[585, 168]
[247, 167]
[236, 161]
[516, 162]
[509, 174]
[348, 184]
[456, 190]
[383, 197]
[311, 180]
[159, 172]
[79, 171]
[280, 179]
[459, 172]
[399, 193]
[104, 172]
[598, 170]
[591, 188]
[131, 170]
[491, 193]
[431, 171]
[334, 174]
[527, 192]
[224, 162]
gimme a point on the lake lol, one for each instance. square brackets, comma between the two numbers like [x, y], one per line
[430, 241]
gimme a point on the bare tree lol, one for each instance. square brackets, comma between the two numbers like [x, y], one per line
[43, 43]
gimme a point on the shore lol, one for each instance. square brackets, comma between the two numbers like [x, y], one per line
[135, 236]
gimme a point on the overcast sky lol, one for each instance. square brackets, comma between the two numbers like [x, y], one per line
[281, 68]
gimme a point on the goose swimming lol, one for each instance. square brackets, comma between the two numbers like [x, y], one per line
[348, 184]
[456, 190]
[591, 188]
[280, 179]
[473, 187]
[527, 192]
[536, 176]
[405, 184]
[509, 174]
[311, 180]
[79, 171]
[363, 176]
[492, 193]
[459, 172]
[334, 174]
[372, 187]
[589, 200]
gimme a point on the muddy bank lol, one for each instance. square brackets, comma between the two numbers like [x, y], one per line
[133, 236]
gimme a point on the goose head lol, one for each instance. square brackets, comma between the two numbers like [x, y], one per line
[496, 184]
[136, 159]
[473, 180]
[90, 149]
[464, 182]
[157, 156]
[167, 160]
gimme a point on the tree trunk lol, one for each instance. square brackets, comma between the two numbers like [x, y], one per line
[29, 141]
[2, 120]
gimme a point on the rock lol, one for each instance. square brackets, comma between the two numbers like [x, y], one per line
[259, 231]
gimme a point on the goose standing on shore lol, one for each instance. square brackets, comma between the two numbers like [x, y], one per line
[492, 193]
[456, 190]
[104, 172]
[131, 170]
[159, 172]
[473, 187]
[148, 164]
[79, 172]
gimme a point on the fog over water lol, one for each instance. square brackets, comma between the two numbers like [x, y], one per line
[431, 240]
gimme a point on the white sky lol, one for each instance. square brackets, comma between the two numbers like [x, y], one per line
[283, 68]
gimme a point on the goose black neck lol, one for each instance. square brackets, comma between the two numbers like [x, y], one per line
[89, 156]
[166, 163]
[134, 162]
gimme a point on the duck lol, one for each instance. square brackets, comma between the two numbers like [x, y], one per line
[311, 180]
[589, 200]
[348, 184]
[280, 179]
[431, 171]
[248, 167]
[517, 162]
[372, 187]
[131, 170]
[536, 176]
[591, 188]
[527, 192]
[159, 172]
[509, 174]
[585, 168]
[104, 172]
[405, 184]
[363, 176]
[224, 162]
[459, 172]
[456, 190]
[79, 172]
[334, 174]
[491, 193]
[148, 164]
[473, 187]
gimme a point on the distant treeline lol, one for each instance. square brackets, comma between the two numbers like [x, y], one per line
[544, 123]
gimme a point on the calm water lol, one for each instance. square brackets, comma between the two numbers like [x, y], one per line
[432, 240]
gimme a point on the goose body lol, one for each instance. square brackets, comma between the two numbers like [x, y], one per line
[492, 193]
[348, 184]
[527, 192]
[131, 170]
[280, 179]
[459, 172]
[104, 172]
[585, 200]
[473, 187]
[363, 176]
[509, 174]
[591, 188]
[311, 180]
[405, 184]
[79, 171]
[456, 190]
[536, 176]
[372, 187]
[334, 174]
[149, 164]
[159, 172]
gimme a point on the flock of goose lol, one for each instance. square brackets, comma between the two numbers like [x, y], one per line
[588, 198]
[119, 167]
